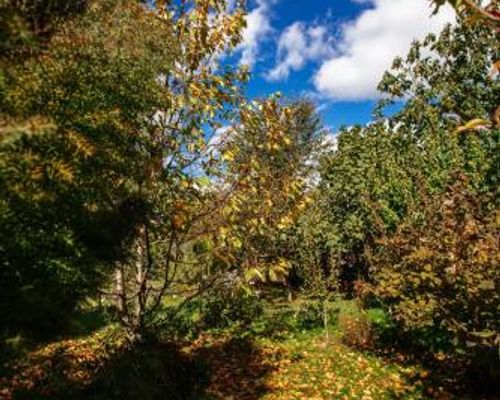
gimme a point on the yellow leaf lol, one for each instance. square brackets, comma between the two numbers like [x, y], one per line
[254, 273]
[228, 156]
[473, 125]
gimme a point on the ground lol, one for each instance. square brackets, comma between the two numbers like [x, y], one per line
[305, 366]
[229, 364]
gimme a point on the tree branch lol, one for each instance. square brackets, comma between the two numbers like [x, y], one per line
[478, 9]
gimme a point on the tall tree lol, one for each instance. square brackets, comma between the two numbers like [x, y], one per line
[198, 95]
[99, 127]
[379, 172]
[71, 122]
[270, 157]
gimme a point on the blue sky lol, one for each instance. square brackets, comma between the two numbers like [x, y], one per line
[333, 51]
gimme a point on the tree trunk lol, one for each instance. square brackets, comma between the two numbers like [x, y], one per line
[140, 301]
[121, 295]
[289, 292]
[325, 319]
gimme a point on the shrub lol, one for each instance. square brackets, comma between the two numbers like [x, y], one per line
[275, 323]
[353, 324]
[309, 315]
[356, 330]
[279, 320]
[178, 324]
[383, 327]
[222, 307]
[439, 277]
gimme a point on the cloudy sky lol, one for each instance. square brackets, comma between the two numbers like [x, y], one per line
[335, 51]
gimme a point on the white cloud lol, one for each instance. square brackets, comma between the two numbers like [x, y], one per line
[257, 29]
[297, 45]
[370, 43]
[219, 137]
[329, 142]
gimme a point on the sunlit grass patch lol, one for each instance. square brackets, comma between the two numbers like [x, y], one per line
[316, 369]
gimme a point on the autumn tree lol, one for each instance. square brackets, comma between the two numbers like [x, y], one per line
[100, 127]
[198, 95]
[473, 10]
[379, 172]
[269, 155]
[439, 274]
[409, 203]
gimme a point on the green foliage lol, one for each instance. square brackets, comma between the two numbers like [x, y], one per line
[110, 186]
[287, 319]
[405, 215]
[380, 320]
[303, 315]
[27, 25]
[89, 116]
[367, 187]
[180, 324]
[197, 96]
[71, 113]
[222, 308]
[440, 264]
[377, 174]
[309, 316]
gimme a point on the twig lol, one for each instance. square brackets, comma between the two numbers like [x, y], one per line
[482, 11]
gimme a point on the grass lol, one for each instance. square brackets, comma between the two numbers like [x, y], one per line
[316, 369]
[239, 363]
[304, 366]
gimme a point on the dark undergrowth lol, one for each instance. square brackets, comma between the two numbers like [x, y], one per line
[91, 370]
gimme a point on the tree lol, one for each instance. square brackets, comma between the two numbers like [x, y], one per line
[99, 127]
[489, 14]
[269, 156]
[27, 25]
[198, 95]
[378, 173]
[411, 201]
[71, 122]
[437, 273]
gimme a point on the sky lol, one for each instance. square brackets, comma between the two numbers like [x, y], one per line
[332, 51]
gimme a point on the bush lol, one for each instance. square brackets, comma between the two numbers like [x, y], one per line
[356, 330]
[439, 277]
[274, 324]
[383, 327]
[222, 307]
[177, 324]
[309, 315]
[364, 328]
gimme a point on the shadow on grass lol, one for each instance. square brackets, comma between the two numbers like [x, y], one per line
[448, 377]
[156, 371]
[85, 322]
[152, 371]
[219, 370]
[237, 369]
